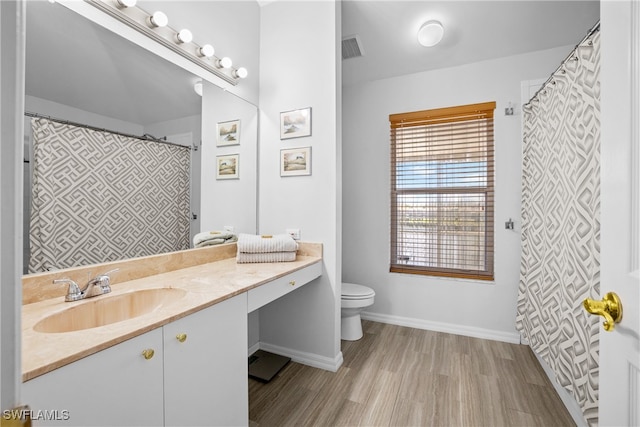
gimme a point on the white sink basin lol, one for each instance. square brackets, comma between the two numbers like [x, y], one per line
[105, 310]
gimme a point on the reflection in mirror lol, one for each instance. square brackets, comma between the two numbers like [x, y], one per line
[78, 71]
[228, 202]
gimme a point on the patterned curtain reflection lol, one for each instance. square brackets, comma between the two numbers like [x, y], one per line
[560, 224]
[99, 197]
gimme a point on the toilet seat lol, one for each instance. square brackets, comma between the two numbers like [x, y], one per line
[351, 291]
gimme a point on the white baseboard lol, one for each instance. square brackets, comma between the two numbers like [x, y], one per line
[253, 348]
[309, 359]
[470, 331]
[569, 402]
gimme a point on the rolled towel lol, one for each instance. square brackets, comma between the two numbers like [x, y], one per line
[244, 257]
[254, 244]
[210, 238]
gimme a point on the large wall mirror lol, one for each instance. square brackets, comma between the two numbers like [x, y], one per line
[76, 70]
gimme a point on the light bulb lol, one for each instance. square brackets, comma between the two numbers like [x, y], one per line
[158, 19]
[225, 62]
[240, 73]
[184, 36]
[206, 50]
[127, 3]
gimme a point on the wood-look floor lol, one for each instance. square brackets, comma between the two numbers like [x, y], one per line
[397, 376]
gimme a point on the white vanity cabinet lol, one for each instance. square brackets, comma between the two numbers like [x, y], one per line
[113, 387]
[197, 376]
[263, 295]
[205, 367]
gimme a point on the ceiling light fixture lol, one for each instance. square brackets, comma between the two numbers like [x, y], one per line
[430, 33]
[184, 36]
[158, 19]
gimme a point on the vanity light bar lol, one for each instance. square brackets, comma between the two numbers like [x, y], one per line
[179, 42]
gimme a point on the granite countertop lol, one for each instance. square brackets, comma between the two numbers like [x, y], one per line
[205, 284]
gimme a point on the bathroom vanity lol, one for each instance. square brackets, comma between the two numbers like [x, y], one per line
[184, 362]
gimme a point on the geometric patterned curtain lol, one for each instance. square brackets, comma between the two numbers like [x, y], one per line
[99, 197]
[560, 264]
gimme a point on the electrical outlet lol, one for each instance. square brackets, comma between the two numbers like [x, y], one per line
[228, 228]
[294, 232]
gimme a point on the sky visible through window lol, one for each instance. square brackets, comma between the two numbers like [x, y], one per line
[439, 174]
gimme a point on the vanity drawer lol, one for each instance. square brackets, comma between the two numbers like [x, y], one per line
[264, 294]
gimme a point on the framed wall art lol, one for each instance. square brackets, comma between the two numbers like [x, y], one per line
[295, 161]
[228, 166]
[295, 123]
[228, 133]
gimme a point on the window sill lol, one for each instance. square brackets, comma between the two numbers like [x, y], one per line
[467, 278]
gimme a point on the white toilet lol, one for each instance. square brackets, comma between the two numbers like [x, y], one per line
[355, 298]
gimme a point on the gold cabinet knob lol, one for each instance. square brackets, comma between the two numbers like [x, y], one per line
[181, 337]
[292, 282]
[610, 308]
[148, 353]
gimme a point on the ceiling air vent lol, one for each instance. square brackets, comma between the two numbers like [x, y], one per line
[351, 47]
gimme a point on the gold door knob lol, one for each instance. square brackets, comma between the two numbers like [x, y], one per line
[292, 283]
[148, 353]
[610, 308]
[181, 337]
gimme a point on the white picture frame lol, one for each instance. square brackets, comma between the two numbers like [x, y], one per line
[228, 166]
[295, 123]
[295, 161]
[228, 133]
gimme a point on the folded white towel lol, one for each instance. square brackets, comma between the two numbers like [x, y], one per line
[209, 238]
[250, 243]
[244, 257]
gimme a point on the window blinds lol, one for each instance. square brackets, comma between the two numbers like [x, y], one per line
[442, 191]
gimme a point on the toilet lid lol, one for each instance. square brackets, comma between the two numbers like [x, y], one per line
[353, 291]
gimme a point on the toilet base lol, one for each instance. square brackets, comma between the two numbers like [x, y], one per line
[351, 328]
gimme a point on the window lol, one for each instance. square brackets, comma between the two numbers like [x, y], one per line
[442, 192]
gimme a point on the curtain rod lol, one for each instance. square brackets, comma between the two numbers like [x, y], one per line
[145, 137]
[591, 32]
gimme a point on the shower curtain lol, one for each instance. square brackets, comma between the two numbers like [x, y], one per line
[99, 196]
[560, 224]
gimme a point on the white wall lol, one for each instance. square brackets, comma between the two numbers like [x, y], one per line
[66, 112]
[475, 308]
[300, 67]
[189, 124]
[12, 61]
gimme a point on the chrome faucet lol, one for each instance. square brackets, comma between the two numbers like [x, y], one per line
[99, 285]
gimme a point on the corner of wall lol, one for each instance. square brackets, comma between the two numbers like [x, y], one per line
[298, 69]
